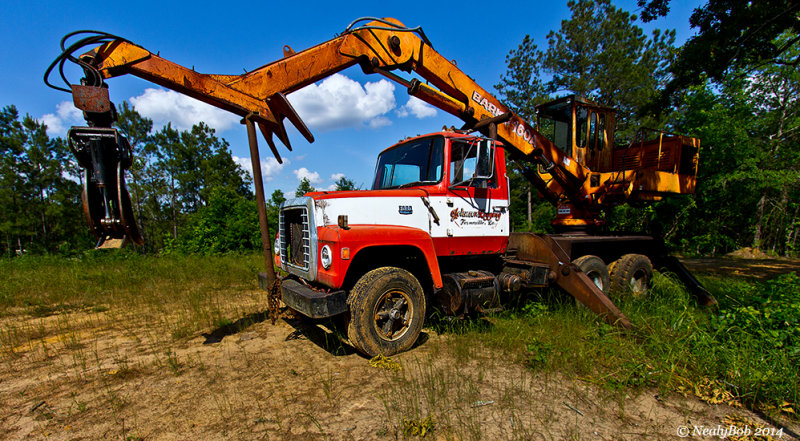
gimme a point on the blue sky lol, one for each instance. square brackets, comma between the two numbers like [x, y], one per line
[353, 116]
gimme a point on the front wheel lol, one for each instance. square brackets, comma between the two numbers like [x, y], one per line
[387, 308]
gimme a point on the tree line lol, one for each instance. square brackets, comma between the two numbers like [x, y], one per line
[187, 192]
[735, 85]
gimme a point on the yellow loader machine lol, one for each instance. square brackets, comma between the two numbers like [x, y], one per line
[434, 230]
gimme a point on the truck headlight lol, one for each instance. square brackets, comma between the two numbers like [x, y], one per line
[277, 246]
[325, 257]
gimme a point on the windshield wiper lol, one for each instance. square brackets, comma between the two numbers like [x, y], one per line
[411, 184]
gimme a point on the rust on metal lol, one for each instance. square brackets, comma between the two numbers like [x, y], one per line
[258, 183]
[538, 248]
[90, 98]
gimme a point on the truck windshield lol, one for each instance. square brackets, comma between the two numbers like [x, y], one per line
[416, 162]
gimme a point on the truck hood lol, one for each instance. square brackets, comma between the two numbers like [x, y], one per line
[403, 207]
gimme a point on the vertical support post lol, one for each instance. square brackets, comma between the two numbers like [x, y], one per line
[260, 201]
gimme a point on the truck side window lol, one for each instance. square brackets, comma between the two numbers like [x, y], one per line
[463, 163]
[463, 159]
[593, 130]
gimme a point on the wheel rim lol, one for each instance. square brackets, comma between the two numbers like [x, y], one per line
[639, 283]
[597, 279]
[393, 312]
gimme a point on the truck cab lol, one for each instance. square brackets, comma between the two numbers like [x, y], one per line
[445, 194]
[435, 200]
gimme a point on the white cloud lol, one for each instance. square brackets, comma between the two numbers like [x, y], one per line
[269, 167]
[416, 107]
[66, 115]
[313, 177]
[331, 187]
[339, 102]
[163, 106]
[337, 176]
[379, 122]
[289, 194]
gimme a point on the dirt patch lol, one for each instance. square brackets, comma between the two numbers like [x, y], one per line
[86, 377]
[749, 268]
[749, 253]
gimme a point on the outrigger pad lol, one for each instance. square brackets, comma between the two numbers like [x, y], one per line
[105, 154]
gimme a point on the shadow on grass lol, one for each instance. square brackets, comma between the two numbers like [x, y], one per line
[331, 335]
[442, 324]
[243, 323]
[328, 334]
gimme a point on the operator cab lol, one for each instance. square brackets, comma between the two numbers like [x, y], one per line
[580, 128]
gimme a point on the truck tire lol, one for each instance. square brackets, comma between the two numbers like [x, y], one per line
[387, 308]
[631, 274]
[595, 269]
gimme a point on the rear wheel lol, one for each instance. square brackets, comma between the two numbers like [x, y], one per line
[387, 308]
[632, 274]
[595, 269]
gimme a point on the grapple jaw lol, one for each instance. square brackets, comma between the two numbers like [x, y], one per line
[104, 154]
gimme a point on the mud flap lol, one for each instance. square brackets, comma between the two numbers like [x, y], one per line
[542, 249]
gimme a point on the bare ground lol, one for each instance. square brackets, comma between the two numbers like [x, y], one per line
[763, 268]
[91, 376]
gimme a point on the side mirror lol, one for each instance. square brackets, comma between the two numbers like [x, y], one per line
[484, 169]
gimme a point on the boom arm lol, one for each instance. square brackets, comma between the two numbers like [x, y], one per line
[380, 46]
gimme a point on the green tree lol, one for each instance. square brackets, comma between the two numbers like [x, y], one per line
[732, 35]
[227, 223]
[774, 93]
[599, 53]
[522, 87]
[344, 184]
[273, 210]
[749, 173]
[304, 187]
[277, 198]
[206, 164]
[188, 166]
[137, 129]
[40, 206]
[11, 152]
[165, 177]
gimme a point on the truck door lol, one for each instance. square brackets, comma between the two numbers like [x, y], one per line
[475, 205]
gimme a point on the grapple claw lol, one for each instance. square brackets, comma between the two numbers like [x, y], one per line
[105, 154]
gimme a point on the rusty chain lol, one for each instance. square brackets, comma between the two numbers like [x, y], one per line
[274, 300]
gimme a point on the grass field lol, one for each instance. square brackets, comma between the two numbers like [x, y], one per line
[123, 346]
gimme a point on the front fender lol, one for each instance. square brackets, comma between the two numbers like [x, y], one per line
[360, 237]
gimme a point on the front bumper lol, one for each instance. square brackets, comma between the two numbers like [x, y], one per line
[312, 303]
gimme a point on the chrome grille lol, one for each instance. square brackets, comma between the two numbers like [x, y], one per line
[295, 237]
